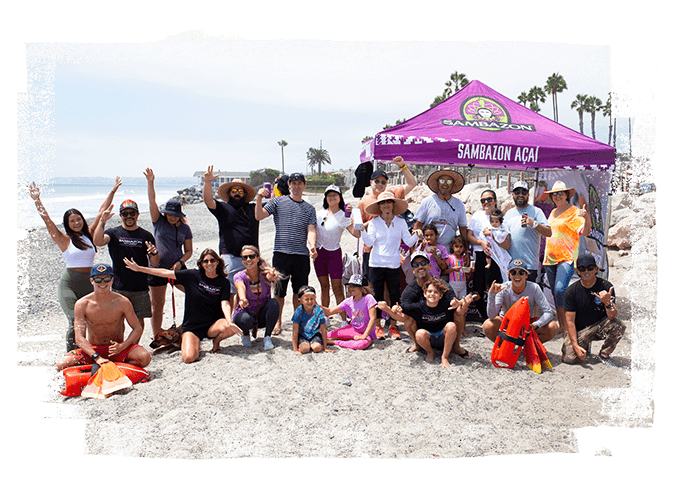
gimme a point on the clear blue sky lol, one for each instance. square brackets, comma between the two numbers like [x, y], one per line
[180, 106]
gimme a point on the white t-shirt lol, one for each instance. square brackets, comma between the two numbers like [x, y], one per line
[447, 216]
[329, 229]
[478, 222]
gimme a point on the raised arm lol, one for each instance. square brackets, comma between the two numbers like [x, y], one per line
[160, 272]
[107, 203]
[61, 239]
[208, 198]
[98, 236]
[150, 189]
[411, 181]
[260, 212]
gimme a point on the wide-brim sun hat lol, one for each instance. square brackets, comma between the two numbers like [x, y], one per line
[400, 205]
[433, 180]
[173, 208]
[225, 189]
[561, 186]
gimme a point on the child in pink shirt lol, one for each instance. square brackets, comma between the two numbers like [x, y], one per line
[361, 308]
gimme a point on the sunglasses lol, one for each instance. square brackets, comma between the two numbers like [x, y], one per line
[521, 191]
[417, 264]
[445, 181]
[380, 181]
[520, 272]
[582, 269]
[247, 257]
[559, 193]
[238, 190]
[487, 200]
[105, 279]
[323, 222]
[126, 214]
[209, 261]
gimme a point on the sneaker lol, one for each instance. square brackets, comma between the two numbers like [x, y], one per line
[379, 332]
[607, 362]
[267, 343]
[245, 341]
[393, 330]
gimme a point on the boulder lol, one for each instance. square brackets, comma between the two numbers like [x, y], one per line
[622, 200]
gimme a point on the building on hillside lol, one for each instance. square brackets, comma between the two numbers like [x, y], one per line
[223, 177]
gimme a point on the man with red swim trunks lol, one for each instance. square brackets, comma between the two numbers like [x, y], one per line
[102, 315]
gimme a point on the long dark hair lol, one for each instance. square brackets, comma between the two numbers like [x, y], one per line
[325, 201]
[220, 261]
[76, 238]
[261, 263]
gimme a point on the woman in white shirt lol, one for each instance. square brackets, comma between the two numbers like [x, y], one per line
[479, 236]
[384, 234]
[330, 224]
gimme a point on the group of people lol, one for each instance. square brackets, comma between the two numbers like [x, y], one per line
[413, 275]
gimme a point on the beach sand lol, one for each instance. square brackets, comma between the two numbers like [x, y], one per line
[381, 402]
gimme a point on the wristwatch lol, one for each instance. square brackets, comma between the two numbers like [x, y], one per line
[535, 224]
[95, 356]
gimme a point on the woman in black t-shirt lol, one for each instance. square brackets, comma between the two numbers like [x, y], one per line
[207, 311]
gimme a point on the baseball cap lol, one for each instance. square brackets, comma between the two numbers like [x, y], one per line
[334, 188]
[357, 280]
[101, 268]
[417, 254]
[128, 203]
[586, 260]
[297, 176]
[518, 264]
[378, 173]
[520, 185]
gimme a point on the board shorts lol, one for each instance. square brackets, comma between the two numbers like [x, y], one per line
[290, 266]
[437, 339]
[84, 359]
[141, 302]
[329, 263]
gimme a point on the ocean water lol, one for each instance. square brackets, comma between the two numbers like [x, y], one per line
[58, 198]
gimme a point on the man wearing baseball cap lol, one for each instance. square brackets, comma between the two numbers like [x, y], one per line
[502, 296]
[129, 240]
[100, 326]
[591, 314]
[295, 239]
[526, 225]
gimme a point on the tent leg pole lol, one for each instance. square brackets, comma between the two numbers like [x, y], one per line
[535, 187]
[608, 222]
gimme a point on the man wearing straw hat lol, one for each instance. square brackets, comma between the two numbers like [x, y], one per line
[236, 218]
[442, 209]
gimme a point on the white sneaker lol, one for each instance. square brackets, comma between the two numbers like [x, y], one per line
[245, 341]
[268, 344]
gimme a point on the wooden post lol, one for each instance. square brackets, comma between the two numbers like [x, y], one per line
[497, 180]
[509, 182]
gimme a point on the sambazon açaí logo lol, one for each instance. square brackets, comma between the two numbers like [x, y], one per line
[485, 114]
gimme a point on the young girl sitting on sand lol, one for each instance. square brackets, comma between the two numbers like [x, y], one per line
[361, 307]
[309, 328]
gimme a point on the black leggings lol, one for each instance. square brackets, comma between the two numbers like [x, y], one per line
[483, 278]
[392, 278]
[267, 315]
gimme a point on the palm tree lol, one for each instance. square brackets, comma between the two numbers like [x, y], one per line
[592, 105]
[535, 95]
[555, 84]
[457, 80]
[438, 100]
[318, 156]
[607, 110]
[523, 98]
[579, 105]
[283, 144]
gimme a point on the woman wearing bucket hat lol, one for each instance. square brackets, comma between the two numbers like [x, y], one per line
[174, 241]
[568, 223]
[384, 234]
[331, 222]
[77, 246]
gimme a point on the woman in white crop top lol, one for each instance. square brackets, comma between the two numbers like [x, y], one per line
[76, 246]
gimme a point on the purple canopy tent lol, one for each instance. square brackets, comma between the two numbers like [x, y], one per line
[480, 127]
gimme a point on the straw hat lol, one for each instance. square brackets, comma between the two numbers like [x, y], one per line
[561, 186]
[225, 189]
[433, 180]
[400, 205]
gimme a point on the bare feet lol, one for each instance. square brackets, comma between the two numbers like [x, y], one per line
[444, 362]
[465, 354]
[276, 330]
[414, 348]
[215, 348]
[430, 357]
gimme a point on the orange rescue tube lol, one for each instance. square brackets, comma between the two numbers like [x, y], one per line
[512, 335]
[77, 377]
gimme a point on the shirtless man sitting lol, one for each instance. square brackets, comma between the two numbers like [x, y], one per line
[101, 315]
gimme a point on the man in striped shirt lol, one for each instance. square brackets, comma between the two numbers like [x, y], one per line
[295, 222]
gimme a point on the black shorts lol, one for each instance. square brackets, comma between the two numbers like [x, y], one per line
[157, 280]
[289, 266]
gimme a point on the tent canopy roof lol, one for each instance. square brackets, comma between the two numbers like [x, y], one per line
[481, 127]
